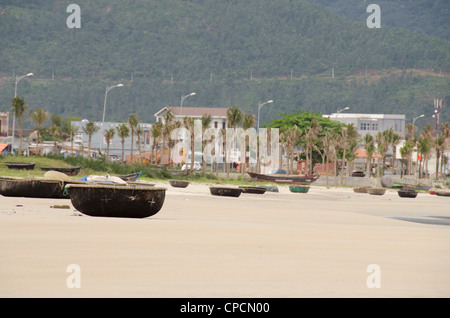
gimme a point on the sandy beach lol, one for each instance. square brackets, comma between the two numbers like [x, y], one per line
[293, 245]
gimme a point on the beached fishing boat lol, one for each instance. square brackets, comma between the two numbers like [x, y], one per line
[179, 183]
[131, 177]
[70, 171]
[284, 178]
[225, 191]
[298, 189]
[407, 193]
[30, 187]
[361, 189]
[117, 200]
[20, 165]
[376, 191]
[253, 190]
[442, 193]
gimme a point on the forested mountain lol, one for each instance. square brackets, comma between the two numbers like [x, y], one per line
[424, 16]
[229, 52]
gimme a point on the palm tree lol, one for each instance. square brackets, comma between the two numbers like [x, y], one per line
[292, 137]
[139, 134]
[109, 135]
[439, 146]
[39, 117]
[54, 131]
[73, 132]
[156, 135]
[189, 124]
[311, 136]
[19, 109]
[206, 122]
[382, 147]
[248, 122]
[445, 131]
[169, 118]
[90, 128]
[393, 140]
[410, 134]
[133, 122]
[370, 149]
[405, 152]
[424, 145]
[234, 118]
[328, 145]
[123, 131]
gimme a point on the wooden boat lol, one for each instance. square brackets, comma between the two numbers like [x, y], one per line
[298, 189]
[30, 187]
[442, 193]
[376, 191]
[70, 171]
[407, 193]
[20, 165]
[285, 178]
[131, 177]
[179, 183]
[253, 190]
[113, 200]
[225, 191]
[361, 189]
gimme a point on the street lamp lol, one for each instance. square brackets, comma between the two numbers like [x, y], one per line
[182, 99]
[415, 118]
[104, 109]
[260, 105]
[18, 79]
[341, 110]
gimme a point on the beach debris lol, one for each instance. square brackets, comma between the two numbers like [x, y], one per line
[63, 206]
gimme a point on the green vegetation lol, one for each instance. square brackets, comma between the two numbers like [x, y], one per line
[424, 16]
[229, 52]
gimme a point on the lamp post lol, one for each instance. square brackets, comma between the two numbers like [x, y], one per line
[415, 118]
[437, 110]
[104, 110]
[341, 110]
[18, 79]
[260, 105]
[413, 121]
[182, 100]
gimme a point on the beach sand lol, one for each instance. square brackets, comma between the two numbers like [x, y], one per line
[292, 245]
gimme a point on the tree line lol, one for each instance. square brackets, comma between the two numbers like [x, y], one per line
[319, 139]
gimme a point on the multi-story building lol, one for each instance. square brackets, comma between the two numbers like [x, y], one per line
[219, 115]
[372, 123]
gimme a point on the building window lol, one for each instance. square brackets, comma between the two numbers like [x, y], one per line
[363, 126]
[223, 125]
[215, 124]
[375, 126]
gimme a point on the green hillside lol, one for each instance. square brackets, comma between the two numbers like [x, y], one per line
[228, 52]
[425, 16]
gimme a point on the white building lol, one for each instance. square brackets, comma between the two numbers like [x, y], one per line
[219, 115]
[98, 141]
[372, 123]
